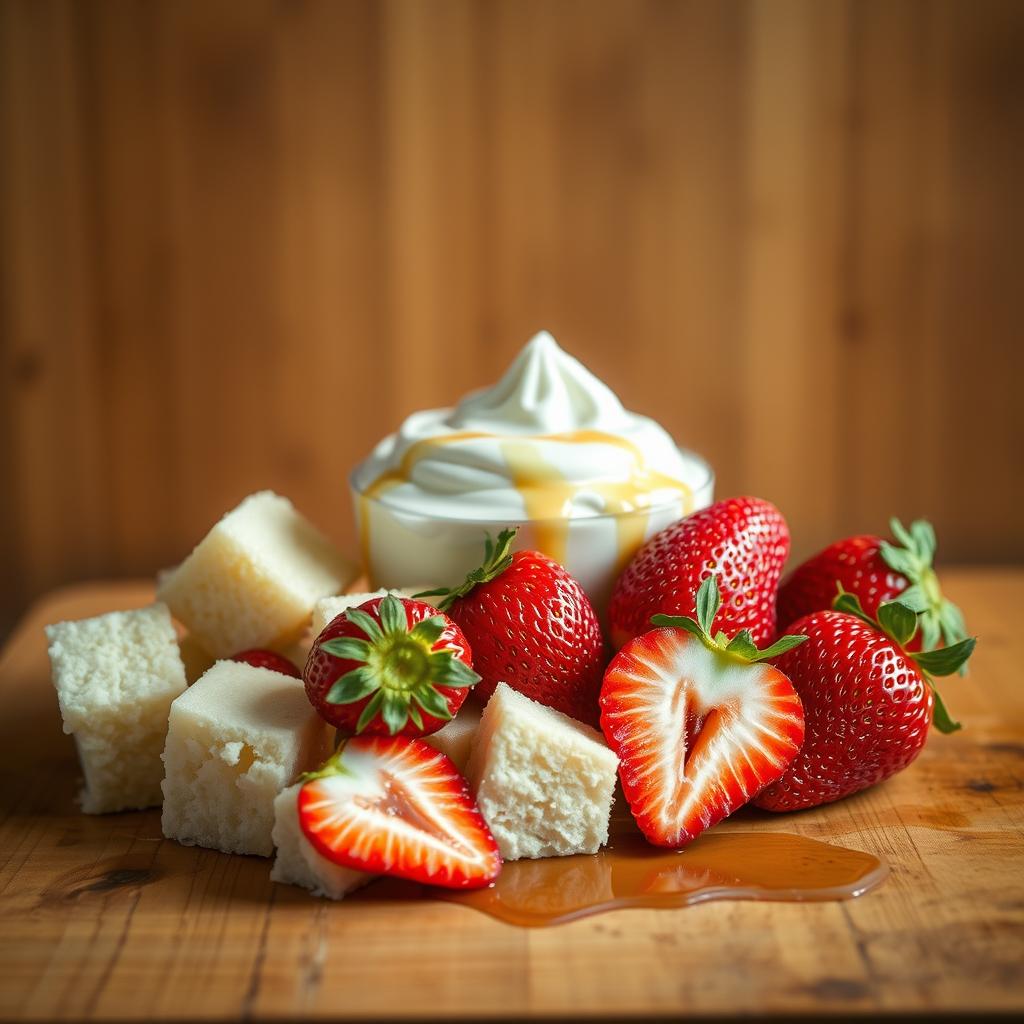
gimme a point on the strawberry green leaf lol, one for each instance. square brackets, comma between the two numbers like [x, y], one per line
[708, 600]
[941, 621]
[332, 766]
[914, 598]
[899, 621]
[394, 711]
[392, 615]
[900, 532]
[849, 604]
[743, 645]
[347, 647]
[931, 632]
[372, 706]
[497, 558]
[455, 673]
[353, 686]
[951, 621]
[940, 715]
[899, 559]
[366, 622]
[432, 702]
[429, 630]
[783, 644]
[678, 622]
[414, 715]
[447, 670]
[952, 627]
[945, 660]
[924, 539]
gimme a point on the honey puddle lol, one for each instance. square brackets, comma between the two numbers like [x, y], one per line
[720, 865]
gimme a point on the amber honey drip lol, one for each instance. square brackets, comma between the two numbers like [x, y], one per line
[547, 496]
[721, 865]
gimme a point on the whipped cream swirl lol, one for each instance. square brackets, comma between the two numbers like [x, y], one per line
[548, 441]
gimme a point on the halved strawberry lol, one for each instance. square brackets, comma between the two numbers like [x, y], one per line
[700, 725]
[391, 805]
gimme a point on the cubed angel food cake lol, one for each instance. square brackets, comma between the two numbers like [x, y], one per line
[255, 578]
[298, 862]
[116, 676]
[235, 739]
[543, 781]
[329, 608]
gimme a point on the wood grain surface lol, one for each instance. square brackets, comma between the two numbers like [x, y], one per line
[240, 240]
[102, 918]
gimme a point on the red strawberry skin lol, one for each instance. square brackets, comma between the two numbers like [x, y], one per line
[698, 732]
[393, 805]
[323, 670]
[867, 710]
[856, 563]
[260, 658]
[744, 540]
[534, 628]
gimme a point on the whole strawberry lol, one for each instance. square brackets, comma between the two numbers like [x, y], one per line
[391, 666]
[745, 541]
[531, 626]
[875, 571]
[867, 701]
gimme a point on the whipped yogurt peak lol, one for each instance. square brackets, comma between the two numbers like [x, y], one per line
[548, 442]
[544, 391]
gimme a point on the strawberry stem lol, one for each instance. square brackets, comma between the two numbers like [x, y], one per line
[332, 766]
[741, 646]
[398, 668]
[497, 558]
[899, 622]
[913, 558]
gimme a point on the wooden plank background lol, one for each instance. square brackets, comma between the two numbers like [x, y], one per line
[241, 240]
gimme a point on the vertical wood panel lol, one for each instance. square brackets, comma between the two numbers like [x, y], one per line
[792, 289]
[56, 490]
[240, 241]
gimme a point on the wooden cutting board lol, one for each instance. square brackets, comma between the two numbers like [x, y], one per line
[101, 917]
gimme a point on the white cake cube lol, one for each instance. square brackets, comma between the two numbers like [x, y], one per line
[329, 608]
[116, 676]
[544, 782]
[235, 739]
[298, 862]
[255, 577]
[455, 738]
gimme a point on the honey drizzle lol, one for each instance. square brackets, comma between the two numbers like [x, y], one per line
[547, 495]
[724, 864]
[721, 865]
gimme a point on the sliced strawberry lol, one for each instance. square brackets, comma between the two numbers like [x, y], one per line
[396, 806]
[700, 725]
